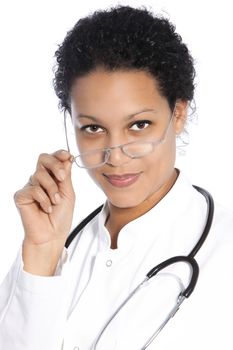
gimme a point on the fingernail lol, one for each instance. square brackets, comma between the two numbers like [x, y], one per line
[71, 159]
[57, 198]
[62, 175]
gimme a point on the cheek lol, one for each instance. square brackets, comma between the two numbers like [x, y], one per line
[163, 158]
[157, 172]
[96, 176]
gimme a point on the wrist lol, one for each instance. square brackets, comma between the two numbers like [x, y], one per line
[41, 259]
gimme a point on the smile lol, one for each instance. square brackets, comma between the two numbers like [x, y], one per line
[122, 180]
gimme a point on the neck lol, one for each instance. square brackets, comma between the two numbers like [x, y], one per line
[119, 217]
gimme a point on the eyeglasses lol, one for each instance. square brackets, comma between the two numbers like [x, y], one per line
[133, 150]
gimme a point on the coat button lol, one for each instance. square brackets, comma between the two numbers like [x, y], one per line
[109, 263]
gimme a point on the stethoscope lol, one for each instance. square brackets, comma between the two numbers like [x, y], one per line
[189, 259]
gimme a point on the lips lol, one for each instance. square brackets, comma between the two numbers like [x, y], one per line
[122, 180]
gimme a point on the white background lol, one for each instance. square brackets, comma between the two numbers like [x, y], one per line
[30, 122]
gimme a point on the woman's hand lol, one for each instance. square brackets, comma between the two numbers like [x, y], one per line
[46, 206]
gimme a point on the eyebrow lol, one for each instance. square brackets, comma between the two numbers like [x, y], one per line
[130, 116]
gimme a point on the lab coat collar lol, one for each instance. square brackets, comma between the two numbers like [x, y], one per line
[152, 222]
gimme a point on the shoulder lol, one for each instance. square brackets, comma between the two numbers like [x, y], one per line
[216, 252]
[220, 237]
[223, 218]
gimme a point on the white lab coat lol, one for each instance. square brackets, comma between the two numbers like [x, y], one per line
[67, 311]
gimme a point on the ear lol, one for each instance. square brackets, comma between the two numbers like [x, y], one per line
[180, 115]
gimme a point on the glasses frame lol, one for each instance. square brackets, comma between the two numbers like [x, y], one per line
[107, 150]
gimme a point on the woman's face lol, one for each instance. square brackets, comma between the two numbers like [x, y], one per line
[114, 108]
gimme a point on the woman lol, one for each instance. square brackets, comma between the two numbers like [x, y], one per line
[127, 80]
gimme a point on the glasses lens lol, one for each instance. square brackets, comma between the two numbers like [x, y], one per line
[91, 159]
[138, 149]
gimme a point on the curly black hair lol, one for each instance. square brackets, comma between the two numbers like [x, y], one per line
[125, 38]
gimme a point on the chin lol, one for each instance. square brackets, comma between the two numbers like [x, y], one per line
[124, 202]
[124, 205]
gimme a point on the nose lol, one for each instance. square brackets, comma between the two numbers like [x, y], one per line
[117, 157]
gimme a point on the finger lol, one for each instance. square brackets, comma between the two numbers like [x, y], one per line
[30, 181]
[66, 186]
[63, 155]
[47, 182]
[53, 165]
[33, 195]
[68, 161]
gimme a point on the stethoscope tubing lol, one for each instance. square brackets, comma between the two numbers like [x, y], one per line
[209, 219]
[189, 259]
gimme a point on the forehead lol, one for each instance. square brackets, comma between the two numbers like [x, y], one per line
[118, 92]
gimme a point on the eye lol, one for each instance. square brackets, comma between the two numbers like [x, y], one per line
[140, 125]
[92, 129]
